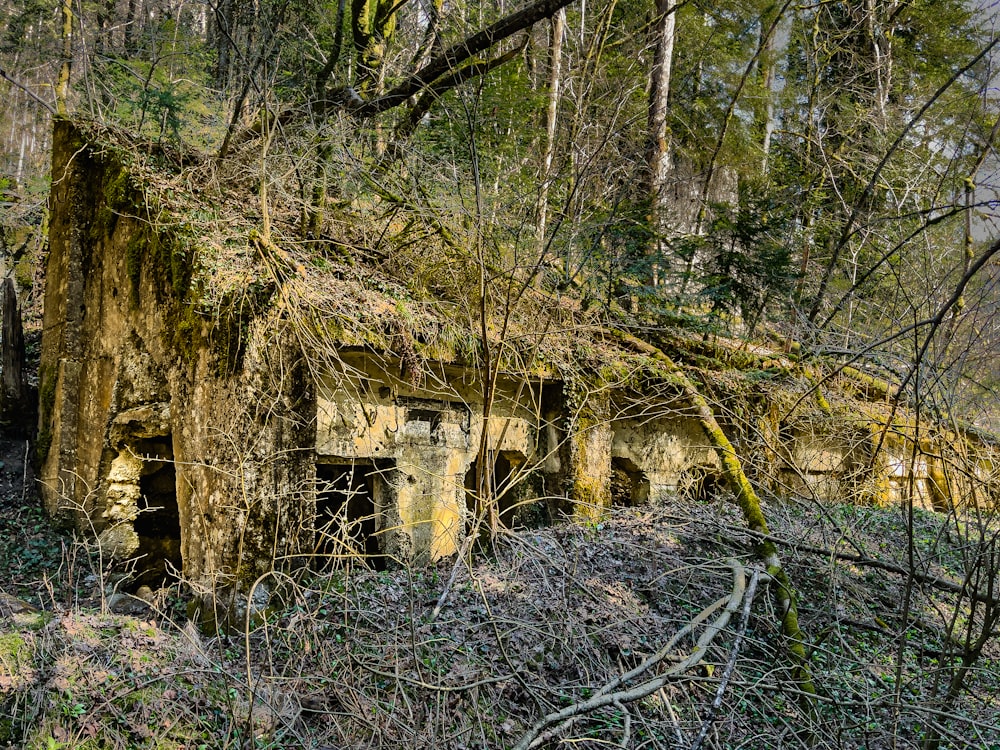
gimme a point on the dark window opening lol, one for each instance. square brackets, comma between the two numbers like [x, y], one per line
[471, 491]
[158, 524]
[629, 485]
[551, 399]
[425, 415]
[498, 488]
[346, 522]
[504, 470]
[701, 483]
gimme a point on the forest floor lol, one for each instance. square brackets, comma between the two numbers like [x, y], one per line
[544, 621]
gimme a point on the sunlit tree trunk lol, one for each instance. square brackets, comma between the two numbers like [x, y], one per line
[373, 25]
[768, 64]
[551, 114]
[658, 151]
[62, 86]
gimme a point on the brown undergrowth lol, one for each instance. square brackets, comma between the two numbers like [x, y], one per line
[543, 621]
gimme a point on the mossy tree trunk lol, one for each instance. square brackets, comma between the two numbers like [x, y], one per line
[748, 502]
[65, 68]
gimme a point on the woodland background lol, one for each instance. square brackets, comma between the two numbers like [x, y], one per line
[810, 166]
[813, 173]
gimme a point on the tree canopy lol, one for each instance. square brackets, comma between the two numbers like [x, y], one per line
[811, 169]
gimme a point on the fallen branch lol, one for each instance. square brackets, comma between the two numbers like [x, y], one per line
[746, 499]
[730, 664]
[610, 694]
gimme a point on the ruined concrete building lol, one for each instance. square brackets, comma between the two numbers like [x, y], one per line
[208, 408]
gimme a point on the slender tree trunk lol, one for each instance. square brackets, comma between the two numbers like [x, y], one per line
[881, 50]
[768, 64]
[225, 14]
[658, 151]
[312, 225]
[20, 160]
[62, 85]
[334, 57]
[129, 35]
[558, 23]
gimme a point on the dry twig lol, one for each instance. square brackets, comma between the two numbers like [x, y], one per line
[610, 695]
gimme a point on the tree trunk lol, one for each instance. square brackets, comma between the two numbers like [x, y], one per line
[749, 504]
[12, 383]
[225, 15]
[62, 85]
[658, 150]
[373, 26]
[129, 35]
[768, 63]
[555, 79]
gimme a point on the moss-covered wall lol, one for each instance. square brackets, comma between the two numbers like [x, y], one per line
[244, 414]
[116, 309]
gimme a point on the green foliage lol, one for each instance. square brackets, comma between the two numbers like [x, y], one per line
[19, 18]
[854, 77]
[714, 45]
[744, 259]
[164, 94]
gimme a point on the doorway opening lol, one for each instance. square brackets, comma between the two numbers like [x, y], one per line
[158, 523]
[701, 483]
[346, 521]
[508, 497]
[629, 485]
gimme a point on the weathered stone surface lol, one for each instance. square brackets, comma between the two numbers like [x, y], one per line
[118, 542]
[665, 449]
[215, 444]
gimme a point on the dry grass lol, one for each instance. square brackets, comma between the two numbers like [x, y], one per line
[354, 658]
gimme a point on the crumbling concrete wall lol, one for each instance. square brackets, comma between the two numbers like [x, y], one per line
[860, 461]
[672, 453]
[211, 446]
[425, 440]
[205, 441]
[129, 382]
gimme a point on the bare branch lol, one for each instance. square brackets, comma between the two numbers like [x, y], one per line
[6, 76]
[605, 697]
[454, 56]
